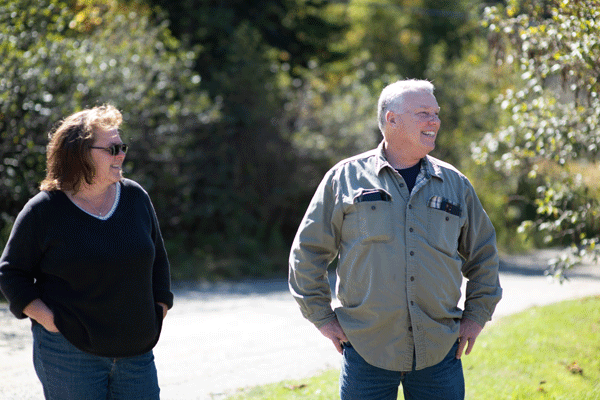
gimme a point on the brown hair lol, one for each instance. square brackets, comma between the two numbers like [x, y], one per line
[68, 160]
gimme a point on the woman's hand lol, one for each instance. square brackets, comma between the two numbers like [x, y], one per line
[39, 311]
[165, 309]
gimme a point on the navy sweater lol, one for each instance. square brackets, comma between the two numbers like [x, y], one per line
[101, 279]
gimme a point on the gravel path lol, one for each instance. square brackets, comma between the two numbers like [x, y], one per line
[222, 337]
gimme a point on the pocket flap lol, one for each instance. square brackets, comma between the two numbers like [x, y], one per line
[372, 195]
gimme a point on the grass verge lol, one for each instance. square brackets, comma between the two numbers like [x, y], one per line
[544, 353]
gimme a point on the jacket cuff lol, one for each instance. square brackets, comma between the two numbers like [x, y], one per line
[476, 317]
[164, 296]
[321, 318]
[18, 304]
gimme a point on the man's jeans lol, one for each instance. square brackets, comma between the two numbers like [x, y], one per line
[68, 373]
[362, 381]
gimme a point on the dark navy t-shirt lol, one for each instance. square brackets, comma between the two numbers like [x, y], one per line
[410, 175]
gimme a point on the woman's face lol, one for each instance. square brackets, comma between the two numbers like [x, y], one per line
[109, 168]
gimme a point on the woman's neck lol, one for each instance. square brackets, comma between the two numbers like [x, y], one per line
[95, 199]
[92, 192]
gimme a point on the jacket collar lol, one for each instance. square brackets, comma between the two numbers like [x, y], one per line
[429, 165]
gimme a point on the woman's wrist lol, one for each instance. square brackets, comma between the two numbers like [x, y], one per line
[40, 312]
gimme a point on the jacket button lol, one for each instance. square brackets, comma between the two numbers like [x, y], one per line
[412, 253]
[410, 229]
[412, 278]
[373, 207]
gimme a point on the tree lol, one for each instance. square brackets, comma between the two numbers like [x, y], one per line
[550, 133]
[33, 86]
[241, 209]
[59, 58]
[290, 114]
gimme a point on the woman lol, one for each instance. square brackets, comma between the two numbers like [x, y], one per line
[86, 262]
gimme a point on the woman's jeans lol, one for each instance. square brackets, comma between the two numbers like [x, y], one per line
[362, 381]
[68, 373]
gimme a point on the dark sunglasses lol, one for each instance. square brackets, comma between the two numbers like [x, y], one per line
[115, 149]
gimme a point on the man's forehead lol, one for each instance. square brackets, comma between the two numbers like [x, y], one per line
[425, 105]
[420, 98]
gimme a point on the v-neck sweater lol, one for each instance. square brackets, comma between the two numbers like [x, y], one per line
[102, 279]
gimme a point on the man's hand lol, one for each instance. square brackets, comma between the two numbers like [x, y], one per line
[469, 330]
[333, 331]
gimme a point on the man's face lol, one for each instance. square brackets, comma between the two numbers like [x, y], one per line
[416, 124]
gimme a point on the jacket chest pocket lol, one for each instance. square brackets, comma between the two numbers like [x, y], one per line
[375, 218]
[443, 230]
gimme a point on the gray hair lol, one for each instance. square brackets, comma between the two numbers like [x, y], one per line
[392, 96]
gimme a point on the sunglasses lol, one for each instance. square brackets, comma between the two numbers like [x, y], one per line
[115, 149]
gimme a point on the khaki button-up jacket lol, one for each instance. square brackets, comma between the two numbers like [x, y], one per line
[401, 259]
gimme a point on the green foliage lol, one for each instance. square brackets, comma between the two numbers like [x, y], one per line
[34, 86]
[550, 125]
[397, 37]
[243, 199]
[297, 31]
[235, 109]
[58, 59]
[328, 119]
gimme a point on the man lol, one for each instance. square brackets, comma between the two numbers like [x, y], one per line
[405, 227]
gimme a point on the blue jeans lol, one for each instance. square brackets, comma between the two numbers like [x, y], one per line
[362, 381]
[68, 373]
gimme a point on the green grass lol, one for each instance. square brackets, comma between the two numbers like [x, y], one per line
[321, 387]
[544, 353]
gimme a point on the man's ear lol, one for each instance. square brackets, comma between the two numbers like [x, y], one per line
[390, 118]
